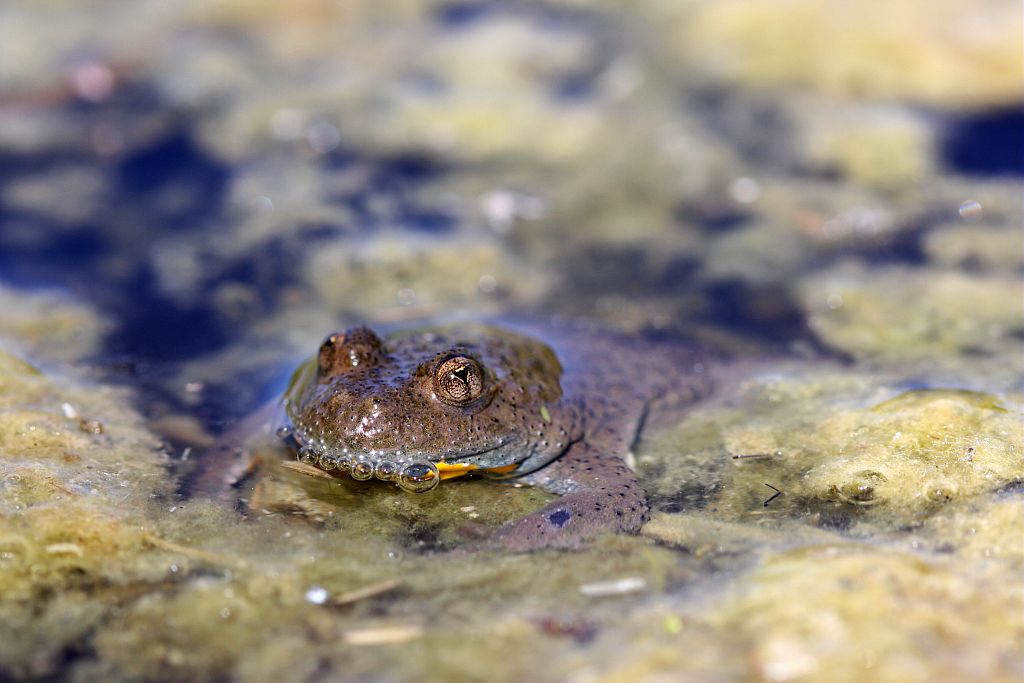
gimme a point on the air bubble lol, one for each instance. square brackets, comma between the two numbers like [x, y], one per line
[861, 488]
[307, 456]
[971, 210]
[329, 461]
[386, 471]
[323, 137]
[745, 190]
[940, 491]
[419, 477]
[406, 296]
[284, 431]
[362, 470]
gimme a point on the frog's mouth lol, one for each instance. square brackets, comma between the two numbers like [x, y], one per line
[413, 475]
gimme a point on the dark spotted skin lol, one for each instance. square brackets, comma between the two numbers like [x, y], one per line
[621, 384]
[377, 399]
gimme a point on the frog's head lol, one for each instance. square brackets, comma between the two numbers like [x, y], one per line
[428, 406]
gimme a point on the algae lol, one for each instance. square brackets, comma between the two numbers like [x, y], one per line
[720, 169]
[898, 316]
[72, 504]
[857, 52]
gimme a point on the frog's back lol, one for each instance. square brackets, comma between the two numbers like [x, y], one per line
[624, 381]
[620, 384]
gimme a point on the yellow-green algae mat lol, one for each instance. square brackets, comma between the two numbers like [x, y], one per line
[105, 575]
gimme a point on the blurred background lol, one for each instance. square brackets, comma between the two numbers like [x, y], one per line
[247, 175]
[193, 193]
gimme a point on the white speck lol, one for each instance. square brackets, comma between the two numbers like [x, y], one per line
[745, 190]
[316, 595]
[193, 387]
[406, 296]
[629, 584]
[264, 203]
[834, 301]
[69, 411]
[784, 659]
[225, 613]
[384, 635]
[65, 549]
[971, 210]
[323, 137]
[287, 124]
[467, 508]
[501, 208]
[92, 81]
[487, 284]
[173, 568]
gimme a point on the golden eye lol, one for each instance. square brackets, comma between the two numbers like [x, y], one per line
[459, 380]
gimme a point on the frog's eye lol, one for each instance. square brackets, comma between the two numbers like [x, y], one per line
[350, 349]
[459, 380]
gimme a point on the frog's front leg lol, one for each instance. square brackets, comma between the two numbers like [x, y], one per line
[234, 455]
[600, 494]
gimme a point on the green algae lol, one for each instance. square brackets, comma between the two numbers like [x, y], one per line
[896, 316]
[894, 549]
[988, 247]
[986, 530]
[70, 542]
[862, 52]
[799, 613]
[460, 511]
[795, 597]
[258, 621]
[885, 148]
[403, 278]
[49, 325]
[844, 449]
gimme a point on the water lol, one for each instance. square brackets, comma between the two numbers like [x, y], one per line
[192, 196]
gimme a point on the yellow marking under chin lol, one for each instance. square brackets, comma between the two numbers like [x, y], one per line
[452, 470]
[504, 469]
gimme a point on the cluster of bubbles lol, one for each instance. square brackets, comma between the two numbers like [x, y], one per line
[416, 476]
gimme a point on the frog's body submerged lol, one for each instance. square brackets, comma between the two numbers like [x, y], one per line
[564, 412]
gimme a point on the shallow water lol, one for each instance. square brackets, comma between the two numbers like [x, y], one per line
[192, 195]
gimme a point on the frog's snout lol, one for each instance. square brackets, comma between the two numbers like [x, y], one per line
[417, 476]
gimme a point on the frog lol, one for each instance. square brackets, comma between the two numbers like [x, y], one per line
[559, 407]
